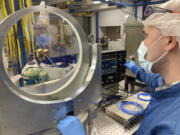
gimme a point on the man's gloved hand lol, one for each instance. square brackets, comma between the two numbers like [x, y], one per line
[131, 65]
[71, 126]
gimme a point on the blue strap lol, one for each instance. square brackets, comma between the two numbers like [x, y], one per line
[144, 94]
[123, 105]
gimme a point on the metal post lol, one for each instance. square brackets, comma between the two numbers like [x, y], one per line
[97, 27]
[136, 12]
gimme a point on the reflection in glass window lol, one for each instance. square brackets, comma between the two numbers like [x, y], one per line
[40, 51]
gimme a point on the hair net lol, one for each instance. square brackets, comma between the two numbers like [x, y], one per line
[167, 23]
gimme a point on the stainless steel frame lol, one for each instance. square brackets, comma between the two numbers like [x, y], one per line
[19, 117]
[70, 88]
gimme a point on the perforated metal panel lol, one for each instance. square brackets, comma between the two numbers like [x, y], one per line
[104, 125]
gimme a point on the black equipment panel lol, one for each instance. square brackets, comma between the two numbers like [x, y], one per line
[113, 69]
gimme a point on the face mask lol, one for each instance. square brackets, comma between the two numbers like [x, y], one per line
[142, 51]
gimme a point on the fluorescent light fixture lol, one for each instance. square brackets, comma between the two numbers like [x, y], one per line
[96, 2]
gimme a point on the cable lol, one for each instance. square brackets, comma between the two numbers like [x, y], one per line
[143, 99]
[50, 60]
[121, 87]
[122, 106]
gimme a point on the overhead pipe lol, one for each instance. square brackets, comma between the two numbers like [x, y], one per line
[136, 5]
[123, 4]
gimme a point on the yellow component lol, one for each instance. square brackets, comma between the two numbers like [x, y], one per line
[41, 53]
[12, 43]
[39, 50]
[69, 2]
[9, 40]
[16, 41]
[31, 31]
[45, 51]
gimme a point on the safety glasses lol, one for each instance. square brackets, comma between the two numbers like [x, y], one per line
[150, 10]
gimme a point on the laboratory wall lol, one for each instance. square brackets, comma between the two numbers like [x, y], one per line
[115, 18]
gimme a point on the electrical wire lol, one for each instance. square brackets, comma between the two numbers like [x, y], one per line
[139, 96]
[122, 88]
[50, 60]
[12, 42]
[122, 107]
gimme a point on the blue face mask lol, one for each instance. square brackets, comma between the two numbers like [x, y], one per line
[142, 51]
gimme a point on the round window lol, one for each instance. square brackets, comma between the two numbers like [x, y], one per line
[44, 54]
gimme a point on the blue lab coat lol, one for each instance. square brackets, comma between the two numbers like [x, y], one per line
[162, 117]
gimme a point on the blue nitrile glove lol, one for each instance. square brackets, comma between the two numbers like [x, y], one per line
[132, 66]
[71, 125]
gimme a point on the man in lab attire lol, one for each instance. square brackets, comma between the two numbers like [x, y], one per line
[159, 53]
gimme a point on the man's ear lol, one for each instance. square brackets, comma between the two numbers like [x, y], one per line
[172, 42]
